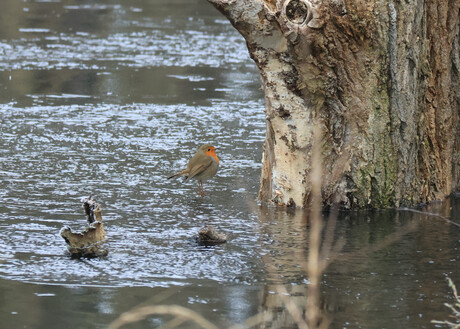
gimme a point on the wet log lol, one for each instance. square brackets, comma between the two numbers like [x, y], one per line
[88, 243]
[209, 236]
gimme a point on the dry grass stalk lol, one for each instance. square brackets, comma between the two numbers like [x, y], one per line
[181, 315]
[291, 307]
[455, 308]
[314, 268]
[142, 313]
[176, 322]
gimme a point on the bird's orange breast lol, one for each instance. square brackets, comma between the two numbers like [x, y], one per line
[212, 153]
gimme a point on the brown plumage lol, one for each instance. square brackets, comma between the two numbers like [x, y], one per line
[202, 166]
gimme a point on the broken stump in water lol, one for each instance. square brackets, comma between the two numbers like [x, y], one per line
[88, 243]
[209, 236]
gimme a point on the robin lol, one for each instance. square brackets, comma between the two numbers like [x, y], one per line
[202, 166]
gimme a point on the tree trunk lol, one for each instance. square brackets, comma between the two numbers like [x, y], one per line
[381, 79]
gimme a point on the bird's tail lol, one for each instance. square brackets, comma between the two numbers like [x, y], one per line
[178, 174]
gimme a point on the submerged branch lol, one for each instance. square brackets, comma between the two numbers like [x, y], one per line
[430, 214]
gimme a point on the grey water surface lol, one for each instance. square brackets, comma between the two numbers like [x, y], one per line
[108, 98]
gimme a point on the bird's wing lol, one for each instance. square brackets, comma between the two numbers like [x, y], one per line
[198, 169]
[183, 172]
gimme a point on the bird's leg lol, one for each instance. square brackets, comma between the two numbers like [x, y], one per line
[200, 188]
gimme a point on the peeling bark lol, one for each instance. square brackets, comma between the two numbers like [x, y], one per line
[381, 79]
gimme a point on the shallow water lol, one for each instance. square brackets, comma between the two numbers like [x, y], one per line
[108, 99]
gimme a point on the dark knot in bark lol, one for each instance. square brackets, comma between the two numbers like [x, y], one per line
[297, 11]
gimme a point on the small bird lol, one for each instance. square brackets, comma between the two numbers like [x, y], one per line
[202, 166]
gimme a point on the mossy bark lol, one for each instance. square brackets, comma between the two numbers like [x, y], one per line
[381, 78]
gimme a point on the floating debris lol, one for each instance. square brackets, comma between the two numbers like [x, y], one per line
[88, 243]
[209, 236]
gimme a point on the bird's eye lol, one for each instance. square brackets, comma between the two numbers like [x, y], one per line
[209, 150]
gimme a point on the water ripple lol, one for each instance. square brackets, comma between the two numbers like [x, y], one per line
[122, 154]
